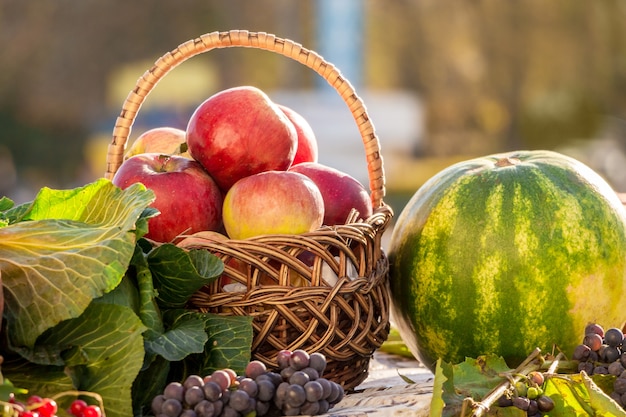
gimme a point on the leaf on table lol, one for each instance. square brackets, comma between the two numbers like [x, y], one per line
[178, 273]
[70, 247]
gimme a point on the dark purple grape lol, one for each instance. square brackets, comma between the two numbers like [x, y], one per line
[250, 386]
[504, 401]
[586, 366]
[318, 362]
[310, 408]
[188, 413]
[611, 354]
[239, 400]
[299, 359]
[282, 358]
[194, 395]
[286, 373]
[193, 381]
[324, 406]
[255, 368]
[229, 411]
[336, 393]
[581, 353]
[594, 328]
[613, 337]
[171, 407]
[295, 395]
[593, 340]
[521, 402]
[289, 410]
[314, 391]
[281, 394]
[545, 403]
[600, 370]
[622, 359]
[262, 408]
[619, 385]
[312, 373]
[275, 377]
[533, 408]
[212, 391]
[156, 404]
[616, 368]
[205, 409]
[219, 406]
[326, 385]
[174, 390]
[299, 378]
[266, 390]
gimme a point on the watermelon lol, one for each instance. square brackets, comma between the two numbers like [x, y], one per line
[506, 253]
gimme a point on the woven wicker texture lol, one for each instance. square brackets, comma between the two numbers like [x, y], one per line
[324, 291]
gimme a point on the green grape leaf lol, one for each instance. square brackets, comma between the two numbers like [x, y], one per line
[64, 253]
[178, 273]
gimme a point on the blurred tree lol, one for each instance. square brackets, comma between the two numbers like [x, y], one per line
[493, 75]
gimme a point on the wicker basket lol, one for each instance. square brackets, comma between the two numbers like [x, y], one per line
[324, 291]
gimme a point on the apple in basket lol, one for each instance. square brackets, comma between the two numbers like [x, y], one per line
[307, 150]
[340, 191]
[238, 132]
[166, 140]
[185, 194]
[272, 202]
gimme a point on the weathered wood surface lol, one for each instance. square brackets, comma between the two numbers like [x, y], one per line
[386, 394]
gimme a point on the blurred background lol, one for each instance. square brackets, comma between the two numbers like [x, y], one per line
[443, 80]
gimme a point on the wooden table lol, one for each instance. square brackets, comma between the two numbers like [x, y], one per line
[386, 394]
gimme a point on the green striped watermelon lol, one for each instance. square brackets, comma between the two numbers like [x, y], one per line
[506, 253]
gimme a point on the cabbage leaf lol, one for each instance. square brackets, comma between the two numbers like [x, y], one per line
[68, 248]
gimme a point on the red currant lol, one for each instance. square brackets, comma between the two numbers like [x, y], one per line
[77, 407]
[28, 413]
[34, 399]
[48, 408]
[92, 411]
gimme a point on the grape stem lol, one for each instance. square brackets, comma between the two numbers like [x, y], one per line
[532, 363]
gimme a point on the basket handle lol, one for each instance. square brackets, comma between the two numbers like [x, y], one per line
[263, 41]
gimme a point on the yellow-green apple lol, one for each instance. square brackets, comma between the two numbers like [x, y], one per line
[239, 132]
[340, 191]
[307, 150]
[186, 196]
[272, 202]
[166, 140]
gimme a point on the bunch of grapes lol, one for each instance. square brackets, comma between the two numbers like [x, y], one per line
[527, 395]
[604, 352]
[297, 387]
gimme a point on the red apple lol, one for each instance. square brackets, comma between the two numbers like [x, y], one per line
[307, 150]
[165, 140]
[341, 192]
[272, 202]
[240, 132]
[188, 199]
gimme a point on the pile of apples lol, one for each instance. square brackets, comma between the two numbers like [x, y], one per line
[245, 166]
